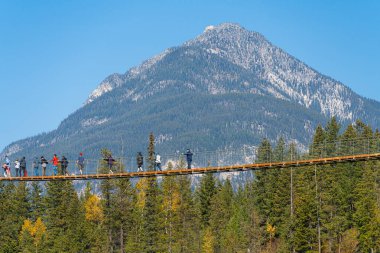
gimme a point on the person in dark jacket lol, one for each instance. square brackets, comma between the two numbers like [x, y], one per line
[140, 161]
[64, 164]
[189, 158]
[23, 167]
[110, 161]
[44, 164]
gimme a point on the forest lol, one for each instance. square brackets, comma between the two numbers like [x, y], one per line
[324, 208]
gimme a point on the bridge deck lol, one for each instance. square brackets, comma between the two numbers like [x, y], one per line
[232, 168]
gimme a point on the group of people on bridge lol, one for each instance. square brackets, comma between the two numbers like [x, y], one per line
[60, 166]
[157, 160]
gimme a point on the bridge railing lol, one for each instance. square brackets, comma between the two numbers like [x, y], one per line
[224, 157]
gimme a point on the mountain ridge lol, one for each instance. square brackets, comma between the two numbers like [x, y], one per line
[281, 88]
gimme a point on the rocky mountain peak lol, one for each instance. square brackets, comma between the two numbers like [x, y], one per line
[267, 69]
[232, 42]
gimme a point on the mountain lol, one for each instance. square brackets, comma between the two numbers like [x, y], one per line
[226, 89]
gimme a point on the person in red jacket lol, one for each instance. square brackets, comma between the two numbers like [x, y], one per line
[55, 162]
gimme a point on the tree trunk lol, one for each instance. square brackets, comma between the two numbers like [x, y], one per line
[121, 239]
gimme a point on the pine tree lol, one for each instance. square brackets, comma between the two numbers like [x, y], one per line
[205, 193]
[10, 222]
[331, 133]
[171, 202]
[123, 203]
[305, 221]
[136, 239]
[152, 218]
[235, 236]
[36, 201]
[152, 212]
[189, 225]
[252, 225]
[64, 218]
[367, 213]
[107, 187]
[221, 212]
[317, 147]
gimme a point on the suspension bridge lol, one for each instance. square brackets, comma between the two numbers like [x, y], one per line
[341, 151]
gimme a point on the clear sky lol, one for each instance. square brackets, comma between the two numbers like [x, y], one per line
[54, 53]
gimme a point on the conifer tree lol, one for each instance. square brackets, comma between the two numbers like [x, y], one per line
[189, 226]
[36, 201]
[64, 218]
[331, 133]
[107, 187]
[317, 147]
[10, 222]
[135, 240]
[263, 184]
[367, 214]
[221, 212]
[171, 202]
[122, 207]
[152, 212]
[305, 217]
[235, 236]
[205, 193]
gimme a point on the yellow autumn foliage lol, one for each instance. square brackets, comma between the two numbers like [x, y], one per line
[172, 200]
[208, 241]
[94, 211]
[141, 187]
[27, 227]
[39, 230]
[36, 230]
[271, 230]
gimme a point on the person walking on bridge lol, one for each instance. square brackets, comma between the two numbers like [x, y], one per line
[55, 162]
[158, 162]
[44, 164]
[23, 167]
[5, 167]
[17, 168]
[7, 161]
[110, 161]
[80, 163]
[189, 158]
[35, 166]
[64, 164]
[140, 162]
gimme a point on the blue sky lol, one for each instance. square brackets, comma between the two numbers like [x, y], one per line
[54, 53]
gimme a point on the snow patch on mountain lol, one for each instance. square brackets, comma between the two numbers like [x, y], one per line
[13, 149]
[93, 122]
[111, 82]
[209, 28]
[146, 65]
[161, 138]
